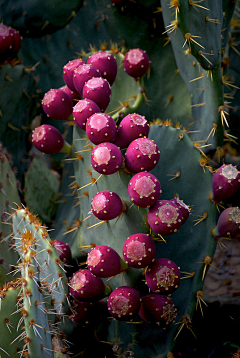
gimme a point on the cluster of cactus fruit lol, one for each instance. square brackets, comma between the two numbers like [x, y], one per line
[126, 233]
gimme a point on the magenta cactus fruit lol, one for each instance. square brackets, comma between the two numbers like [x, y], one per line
[139, 250]
[163, 276]
[17, 42]
[98, 90]
[131, 127]
[47, 139]
[136, 63]
[142, 154]
[63, 251]
[85, 286]
[57, 104]
[75, 96]
[101, 127]
[68, 71]
[106, 64]
[164, 217]
[185, 209]
[103, 261]
[84, 109]
[106, 158]
[144, 189]
[6, 42]
[81, 311]
[106, 205]
[228, 224]
[225, 182]
[82, 74]
[157, 309]
[124, 303]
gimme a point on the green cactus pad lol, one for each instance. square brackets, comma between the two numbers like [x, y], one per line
[40, 179]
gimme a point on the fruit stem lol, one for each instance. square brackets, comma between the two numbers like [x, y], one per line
[66, 148]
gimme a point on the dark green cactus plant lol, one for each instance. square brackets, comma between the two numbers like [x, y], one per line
[199, 119]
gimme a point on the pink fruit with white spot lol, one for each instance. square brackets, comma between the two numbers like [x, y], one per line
[85, 286]
[163, 276]
[57, 104]
[144, 189]
[101, 127]
[68, 72]
[165, 217]
[136, 63]
[98, 90]
[225, 182]
[103, 261]
[142, 154]
[157, 309]
[106, 205]
[124, 303]
[139, 250]
[185, 209]
[106, 158]
[75, 96]
[131, 127]
[228, 224]
[106, 63]
[63, 251]
[82, 74]
[84, 109]
[47, 139]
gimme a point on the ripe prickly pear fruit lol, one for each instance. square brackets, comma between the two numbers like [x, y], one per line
[63, 251]
[101, 127]
[68, 72]
[84, 109]
[103, 261]
[17, 43]
[142, 154]
[49, 140]
[80, 311]
[136, 63]
[157, 309]
[185, 209]
[85, 286]
[228, 224]
[75, 96]
[163, 276]
[82, 74]
[139, 250]
[165, 217]
[6, 42]
[57, 104]
[144, 189]
[124, 303]
[131, 127]
[225, 182]
[106, 158]
[98, 90]
[106, 205]
[106, 64]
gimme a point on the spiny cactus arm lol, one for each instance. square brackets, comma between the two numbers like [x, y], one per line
[10, 316]
[8, 198]
[30, 230]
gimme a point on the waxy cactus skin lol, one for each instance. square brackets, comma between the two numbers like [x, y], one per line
[98, 90]
[136, 63]
[47, 139]
[57, 104]
[106, 158]
[101, 127]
